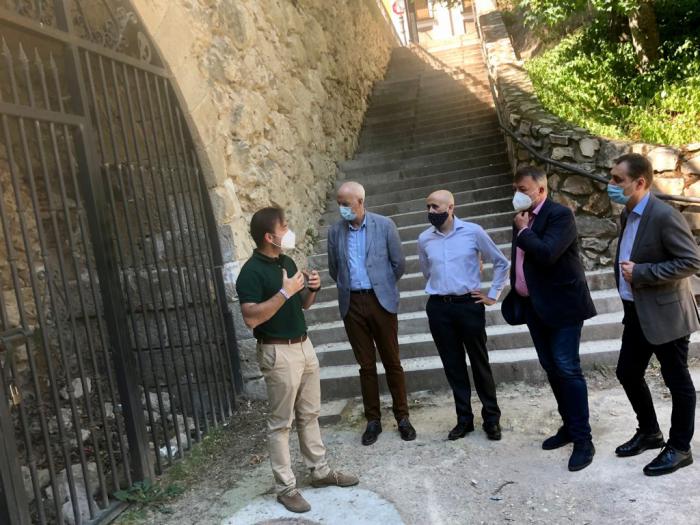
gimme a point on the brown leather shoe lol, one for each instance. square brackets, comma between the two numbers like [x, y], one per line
[294, 502]
[335, 479]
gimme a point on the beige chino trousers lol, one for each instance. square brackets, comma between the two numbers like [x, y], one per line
[293, 382]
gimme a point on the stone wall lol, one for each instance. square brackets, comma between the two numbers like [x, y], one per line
[676, 170]
[276, 91]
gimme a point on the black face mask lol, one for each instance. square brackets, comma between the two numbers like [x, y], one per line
[438, 219]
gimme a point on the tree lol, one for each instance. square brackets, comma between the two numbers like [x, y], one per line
[638, 16]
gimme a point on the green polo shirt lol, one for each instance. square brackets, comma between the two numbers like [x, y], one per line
[260, 279]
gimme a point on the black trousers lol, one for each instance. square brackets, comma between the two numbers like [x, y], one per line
[634, 359]
[454, 327]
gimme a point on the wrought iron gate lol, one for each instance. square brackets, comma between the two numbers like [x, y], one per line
[116, 349]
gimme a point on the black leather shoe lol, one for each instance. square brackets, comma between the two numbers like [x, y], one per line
[639, 443]
[493, 431]
[408, 433]
[461, 430]
[668, 461]
[558, 440]
[582, 456]
[374, 428]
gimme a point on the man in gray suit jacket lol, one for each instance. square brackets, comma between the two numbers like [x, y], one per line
[366, 261]
[656, 256]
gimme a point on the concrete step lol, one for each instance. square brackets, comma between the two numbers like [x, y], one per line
[478, 146]
[500, 235]
[519, 364]
[500, 338]
[411, 126]
[411, 232]
[322, 315]
[420, 114]
[412, 267]
[427, 103]
[417, 192]
[424, 80]
[369, 160]
[411, 281]
[403, 140]
[484, 156]
[425, 119]
[466, 210]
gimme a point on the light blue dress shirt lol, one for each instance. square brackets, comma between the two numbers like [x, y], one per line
[627, 242]
[450, 263]
[357, 253]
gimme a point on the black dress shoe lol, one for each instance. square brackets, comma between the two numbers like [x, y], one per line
[461, 430]
[558, 440]
[374, 428]
[639, 443]
[408, 433]
[670, 460]
[582, 456]
[493, 431]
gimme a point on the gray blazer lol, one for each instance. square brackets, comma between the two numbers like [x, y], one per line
[384, 260]
[665, 256]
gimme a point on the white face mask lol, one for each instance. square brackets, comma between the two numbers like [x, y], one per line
[521, 201]
[288, 241]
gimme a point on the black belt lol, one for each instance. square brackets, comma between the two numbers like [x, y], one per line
[364, 290]
[466, 298]
[281, 341]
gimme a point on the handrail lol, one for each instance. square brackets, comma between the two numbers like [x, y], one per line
[548, 160]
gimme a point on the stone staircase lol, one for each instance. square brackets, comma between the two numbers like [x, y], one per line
[424, 131]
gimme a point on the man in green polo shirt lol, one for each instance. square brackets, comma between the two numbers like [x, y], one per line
[270, 292]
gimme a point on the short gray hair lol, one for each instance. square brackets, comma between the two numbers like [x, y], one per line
[537, 174]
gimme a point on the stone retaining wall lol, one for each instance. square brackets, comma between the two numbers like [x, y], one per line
[676, 170]
[276, 91]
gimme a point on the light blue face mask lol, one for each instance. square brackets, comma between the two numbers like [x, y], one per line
[617, 194]
[347, 213]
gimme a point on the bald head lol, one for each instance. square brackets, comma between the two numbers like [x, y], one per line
[441, 197]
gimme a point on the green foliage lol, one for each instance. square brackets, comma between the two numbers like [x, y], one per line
[551, 13]
[148, 493]
[595, 84]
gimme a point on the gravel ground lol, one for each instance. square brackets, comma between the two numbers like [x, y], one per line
[472, 480]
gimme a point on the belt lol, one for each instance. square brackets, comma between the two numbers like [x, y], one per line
[466, 298]
[364, 290]
[281, 341]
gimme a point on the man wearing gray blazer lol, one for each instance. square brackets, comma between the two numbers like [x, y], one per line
[366, 261]
[656, 256]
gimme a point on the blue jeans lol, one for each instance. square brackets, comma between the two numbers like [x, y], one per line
[558, 352]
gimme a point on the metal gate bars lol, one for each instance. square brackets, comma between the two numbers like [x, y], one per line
[116, 347]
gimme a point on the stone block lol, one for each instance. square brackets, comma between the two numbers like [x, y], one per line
[544, 131]
[693, 190]
[562, 140]
[76, 387]
[559, 153]
[577, 185]
[524, 128]
[589, 226]
[695, 146]
[598, 204]
[609, 151]
[595, 244]
[589, 146]
[670, 185]
[514, 119]
[691, 167]
[663, 158]
[566, 201]
[553, 182]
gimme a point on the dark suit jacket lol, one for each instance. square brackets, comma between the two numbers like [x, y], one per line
[553, 271]
[665, 256]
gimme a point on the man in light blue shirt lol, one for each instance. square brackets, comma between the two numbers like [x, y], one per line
[627, 242]
[450, 254]
[366, 261]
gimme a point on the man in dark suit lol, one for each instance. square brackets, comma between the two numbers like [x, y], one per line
[550, 294]
[656, 256]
